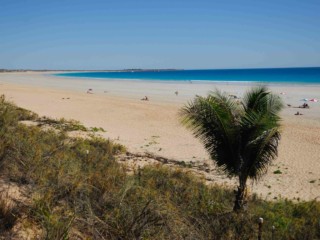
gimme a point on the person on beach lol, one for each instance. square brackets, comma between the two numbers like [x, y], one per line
[305, 105]
[145, 98]
[298, 113]
[89, 91]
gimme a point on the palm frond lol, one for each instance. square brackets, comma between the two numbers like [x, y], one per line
[213, 120]
[275, 104]
[261, 100]
[255, 99]
[260, 135]
[260, 152]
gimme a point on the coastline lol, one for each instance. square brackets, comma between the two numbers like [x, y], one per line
[116, 106]
[192, 81]
[300, 75]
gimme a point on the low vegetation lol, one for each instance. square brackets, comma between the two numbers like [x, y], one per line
[77, 190]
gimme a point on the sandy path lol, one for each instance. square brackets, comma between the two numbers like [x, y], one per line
[153, 126]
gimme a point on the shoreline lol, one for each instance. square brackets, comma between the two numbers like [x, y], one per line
[137, 88]
[136, 123]
[266, 76]
[195, 81]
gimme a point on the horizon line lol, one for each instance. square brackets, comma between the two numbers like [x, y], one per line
[141, 69]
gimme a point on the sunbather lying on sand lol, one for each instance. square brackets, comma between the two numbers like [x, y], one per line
[305, 105]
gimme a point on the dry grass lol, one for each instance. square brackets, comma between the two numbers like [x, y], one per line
[79, 191]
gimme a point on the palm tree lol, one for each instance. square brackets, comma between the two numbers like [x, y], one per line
[241, 137]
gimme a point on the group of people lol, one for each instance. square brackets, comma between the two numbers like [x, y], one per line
[145, 98]
[305, 105]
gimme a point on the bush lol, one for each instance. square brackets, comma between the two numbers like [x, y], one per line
[78, 186]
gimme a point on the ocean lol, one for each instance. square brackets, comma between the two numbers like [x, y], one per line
[264, 75]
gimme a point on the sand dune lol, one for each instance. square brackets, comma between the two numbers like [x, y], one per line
[153, 126]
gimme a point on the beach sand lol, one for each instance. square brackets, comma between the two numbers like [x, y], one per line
[153, 126]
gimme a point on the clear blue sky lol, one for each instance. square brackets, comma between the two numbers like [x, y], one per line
[190, 34]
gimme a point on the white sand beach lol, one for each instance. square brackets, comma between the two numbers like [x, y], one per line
[153, 126]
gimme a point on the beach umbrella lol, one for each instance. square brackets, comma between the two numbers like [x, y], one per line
[305, 99]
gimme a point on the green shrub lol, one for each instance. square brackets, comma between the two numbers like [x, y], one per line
[78, 186]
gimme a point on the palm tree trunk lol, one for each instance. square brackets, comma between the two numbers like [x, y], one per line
[240, 194]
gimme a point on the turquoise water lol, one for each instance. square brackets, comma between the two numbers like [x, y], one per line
[268, 75]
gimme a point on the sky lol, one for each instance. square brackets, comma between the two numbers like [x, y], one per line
[186, 34]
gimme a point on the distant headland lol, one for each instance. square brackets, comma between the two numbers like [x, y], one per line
[103, 70]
